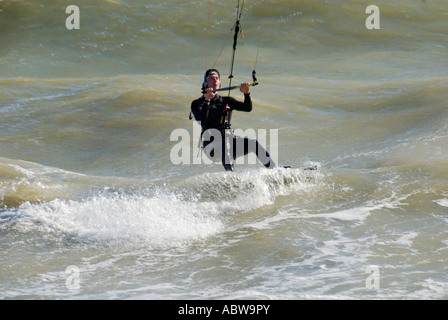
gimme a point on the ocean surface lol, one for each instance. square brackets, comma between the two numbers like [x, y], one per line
[93, 205]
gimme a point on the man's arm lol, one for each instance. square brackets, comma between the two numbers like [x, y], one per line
[247, 104]
[199, 108]
[241, 106]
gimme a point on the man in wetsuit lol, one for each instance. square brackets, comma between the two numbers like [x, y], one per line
[213, 112]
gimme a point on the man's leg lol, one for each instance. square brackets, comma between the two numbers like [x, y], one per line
[244, 146]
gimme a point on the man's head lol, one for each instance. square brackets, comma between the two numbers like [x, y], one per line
[211, 79]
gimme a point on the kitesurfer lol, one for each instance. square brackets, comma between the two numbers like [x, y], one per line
[213, 112]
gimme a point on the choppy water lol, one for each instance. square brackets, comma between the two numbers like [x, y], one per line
[87, 183]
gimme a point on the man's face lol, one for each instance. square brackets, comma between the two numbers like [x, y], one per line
[213, 81]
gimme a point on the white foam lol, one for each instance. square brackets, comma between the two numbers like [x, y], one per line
[442, 202]
[352, 214]
[194, 211]
[160, 219]
[362, 212]
[32, 170]
[407, 239]
[359, 213]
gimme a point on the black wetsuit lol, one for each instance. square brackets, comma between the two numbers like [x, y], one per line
[210, 115]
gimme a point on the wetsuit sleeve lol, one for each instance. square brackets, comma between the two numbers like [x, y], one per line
[199, 108]
[241, 106]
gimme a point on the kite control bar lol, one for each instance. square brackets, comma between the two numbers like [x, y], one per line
[232, 87]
